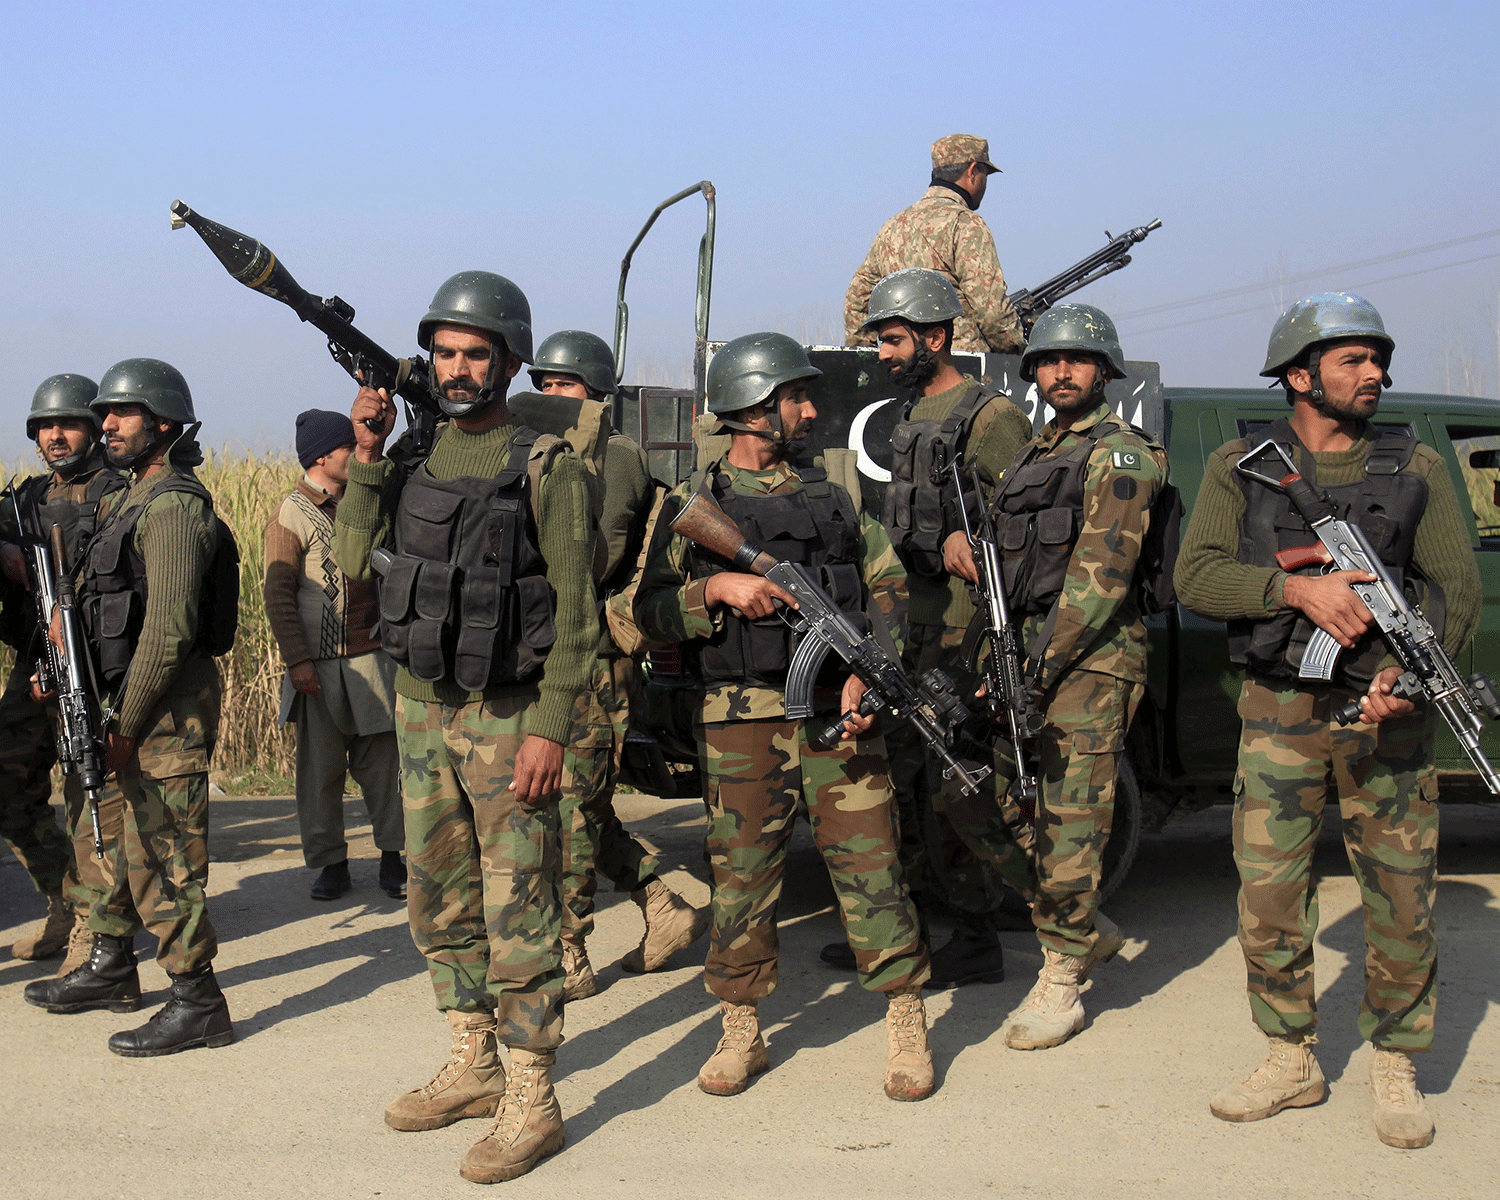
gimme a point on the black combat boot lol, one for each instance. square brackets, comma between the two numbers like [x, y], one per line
[332, 882]
[107, 980]
[972, 955]
[392, 874]
[840, 954]
[196, 1015]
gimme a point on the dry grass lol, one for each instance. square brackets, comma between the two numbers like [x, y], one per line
[247, 488]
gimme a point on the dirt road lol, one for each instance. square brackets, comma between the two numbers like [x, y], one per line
[334, 1016]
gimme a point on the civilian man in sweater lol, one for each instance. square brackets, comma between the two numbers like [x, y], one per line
[1330, 351]
[488, 607]
[575, 365]
[143, 583]
[339, 683]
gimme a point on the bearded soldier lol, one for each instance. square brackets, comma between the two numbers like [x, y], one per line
[150, 592]
[1331, 353]
[66, 432]
[944, 232]
[1071, 514]
[757, 764]
[488, 608]
[579, 366]
[948, 416]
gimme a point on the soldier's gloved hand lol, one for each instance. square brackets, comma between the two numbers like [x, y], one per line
[538, 772]
[373, 405]
[958, 557]
[1330, 603]
[118, 753]
[1377, 704]
[304, 677]
[753, 596]
[37, 694]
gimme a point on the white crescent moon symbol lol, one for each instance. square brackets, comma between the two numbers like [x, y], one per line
[866, 464]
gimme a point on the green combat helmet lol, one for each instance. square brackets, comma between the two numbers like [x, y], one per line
[1323, 317]
[1073, 327]
[914, 294]
[62, 396]
[489, 303]
[156, 386]
[746, 371]
[574, 352]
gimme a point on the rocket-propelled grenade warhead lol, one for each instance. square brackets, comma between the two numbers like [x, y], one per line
[246, 259]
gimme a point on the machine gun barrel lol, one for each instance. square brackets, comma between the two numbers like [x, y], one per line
[933, 705]
[1030, 303]
[258, 268]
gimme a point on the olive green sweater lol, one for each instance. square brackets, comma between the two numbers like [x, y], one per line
[565, 537]
[1213, 582]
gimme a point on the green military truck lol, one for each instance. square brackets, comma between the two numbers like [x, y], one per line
[1183, 745]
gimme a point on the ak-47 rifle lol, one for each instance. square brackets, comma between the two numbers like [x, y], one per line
[60, 669]
[933, 704]
[1427, 670]
[367, 361]
[1030, 303]
[1010, 700]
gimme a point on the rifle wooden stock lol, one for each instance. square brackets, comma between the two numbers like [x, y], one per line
[704, 522]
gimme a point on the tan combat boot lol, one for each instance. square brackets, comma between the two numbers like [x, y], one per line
[528, 1127]
[80, 946]
[1401, 1116]
[469, 1084]
[1051, 1012]
[1289, 1078]
[1108, 941]
[741, 1055]
[580, 983]
[908, 1065]
[672, 924]
[51, 935]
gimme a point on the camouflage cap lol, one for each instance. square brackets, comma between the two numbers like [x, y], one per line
[959, 148]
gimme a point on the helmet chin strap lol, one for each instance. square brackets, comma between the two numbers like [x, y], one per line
[772, 410]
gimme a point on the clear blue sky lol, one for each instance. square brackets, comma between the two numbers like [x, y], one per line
[378, 148]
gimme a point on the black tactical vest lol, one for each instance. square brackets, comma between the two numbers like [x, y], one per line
[114, 587]
[914, 512]
[816, 526]
[466, 597]
[1387, 503]
[1038, 514]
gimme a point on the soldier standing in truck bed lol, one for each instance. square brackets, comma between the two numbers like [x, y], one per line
[943, 232]
[758, 765]
[579, 365]
[1331, 352]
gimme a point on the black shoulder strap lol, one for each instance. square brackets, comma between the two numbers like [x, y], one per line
[1390, 454]
[965, 410]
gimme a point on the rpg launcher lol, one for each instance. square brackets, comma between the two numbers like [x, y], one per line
[933, 705]
[1030, 303]
[259, 269]
[1427, 670]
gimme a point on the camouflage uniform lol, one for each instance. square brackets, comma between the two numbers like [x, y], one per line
[932, 853]
[1291, 755]
[593, 837]
[1091, 677]
[170, 706]
[482, 894]
[941, 233]
[757, 765]
[28, 736]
